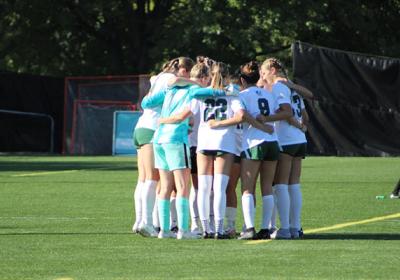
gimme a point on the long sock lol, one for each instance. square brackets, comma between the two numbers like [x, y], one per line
[173, 212]
[220, 184]
[156, 220]
[267, 207]
[248, 208]
[296, 202]
[163, 213]
[194, 211]
[274, 212]
[230, 216]
[203, 199]
[148, 200]
[137, 197]
[212, 220]
[182, 209]
[283, 204]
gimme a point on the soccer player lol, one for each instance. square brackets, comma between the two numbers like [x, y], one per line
[145, 192]
[292, 139]
[260, 150]
[172, 152]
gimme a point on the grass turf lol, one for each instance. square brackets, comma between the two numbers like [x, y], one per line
[70, 218]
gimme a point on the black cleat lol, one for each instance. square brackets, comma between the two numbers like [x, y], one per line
[174, 229]
[207, 235]
[221, 236]
[263, 234]
[248, 234]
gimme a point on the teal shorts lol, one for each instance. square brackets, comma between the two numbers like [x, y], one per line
[142, 136]
[295, 150]
[171, 156]
[266, 151]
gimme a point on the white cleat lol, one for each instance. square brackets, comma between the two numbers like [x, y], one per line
[148, 231]
[135, 228]
[283, 234]
[393, 196]
[187, 235]
[166, 234]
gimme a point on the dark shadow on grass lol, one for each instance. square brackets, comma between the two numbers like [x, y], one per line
[46, 166]
[353, 236]
[63, 233]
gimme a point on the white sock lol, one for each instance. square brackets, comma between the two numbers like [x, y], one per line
[194, 211]
[267, 207]
[156, 220]
[173, 214]
[220, 184]
[137, 197]
[296, 203]
[272, 224]
[203, 198]
[283, 204]
[212, 221]
[148, 200]
[248, 209]
[230, 216]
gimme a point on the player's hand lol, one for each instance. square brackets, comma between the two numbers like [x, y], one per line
[232, 90]
[212, 123]
[269, 128]
[261, 118]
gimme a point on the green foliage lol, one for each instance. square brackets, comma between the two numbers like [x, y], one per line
[109, 37]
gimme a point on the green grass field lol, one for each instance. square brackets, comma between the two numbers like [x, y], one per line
[71, 218]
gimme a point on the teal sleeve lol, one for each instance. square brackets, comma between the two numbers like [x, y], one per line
[206, 92]
[154, 100]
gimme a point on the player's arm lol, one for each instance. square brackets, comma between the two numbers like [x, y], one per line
[284, 113]
[300, 125]
[153, 100]
[181, 82]
[176, 118]
[201, 93]
[303, 91]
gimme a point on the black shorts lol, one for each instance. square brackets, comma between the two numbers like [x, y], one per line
[295, 150]
[193, 159]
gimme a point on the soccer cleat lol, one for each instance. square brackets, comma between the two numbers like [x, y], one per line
[186, 235]
[263, 234]
[135, 228]
[231, 232]
[394, 196]
[221, 236]
[283, 234]
[248, 234]
[196, 231]
[207, 235]
[166, 234]
[148, 231]
[174, 229]
[295, 233]
[157, 229]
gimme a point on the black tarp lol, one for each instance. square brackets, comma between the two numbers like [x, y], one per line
[357, 111]
[35, 94]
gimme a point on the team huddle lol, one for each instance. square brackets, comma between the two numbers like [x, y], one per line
[204, 128]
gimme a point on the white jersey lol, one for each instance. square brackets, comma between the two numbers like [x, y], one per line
[289, 134]
[221, 138]
[259, 101]
[149, 118]
[195, 122]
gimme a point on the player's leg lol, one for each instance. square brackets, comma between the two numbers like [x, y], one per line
[194, 212]
[281, 190]
[222, 168]
[231, 199]
[296, 198]
[149, 189]
[137, 194]
[173, 213]
[167, 183]
[205, 179]
[248, 176]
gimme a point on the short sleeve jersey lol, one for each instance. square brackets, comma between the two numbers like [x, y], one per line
[258, 101]
[221, 138]
[149, 118]
[288, 134]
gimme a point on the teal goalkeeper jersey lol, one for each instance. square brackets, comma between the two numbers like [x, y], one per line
[174, 101]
